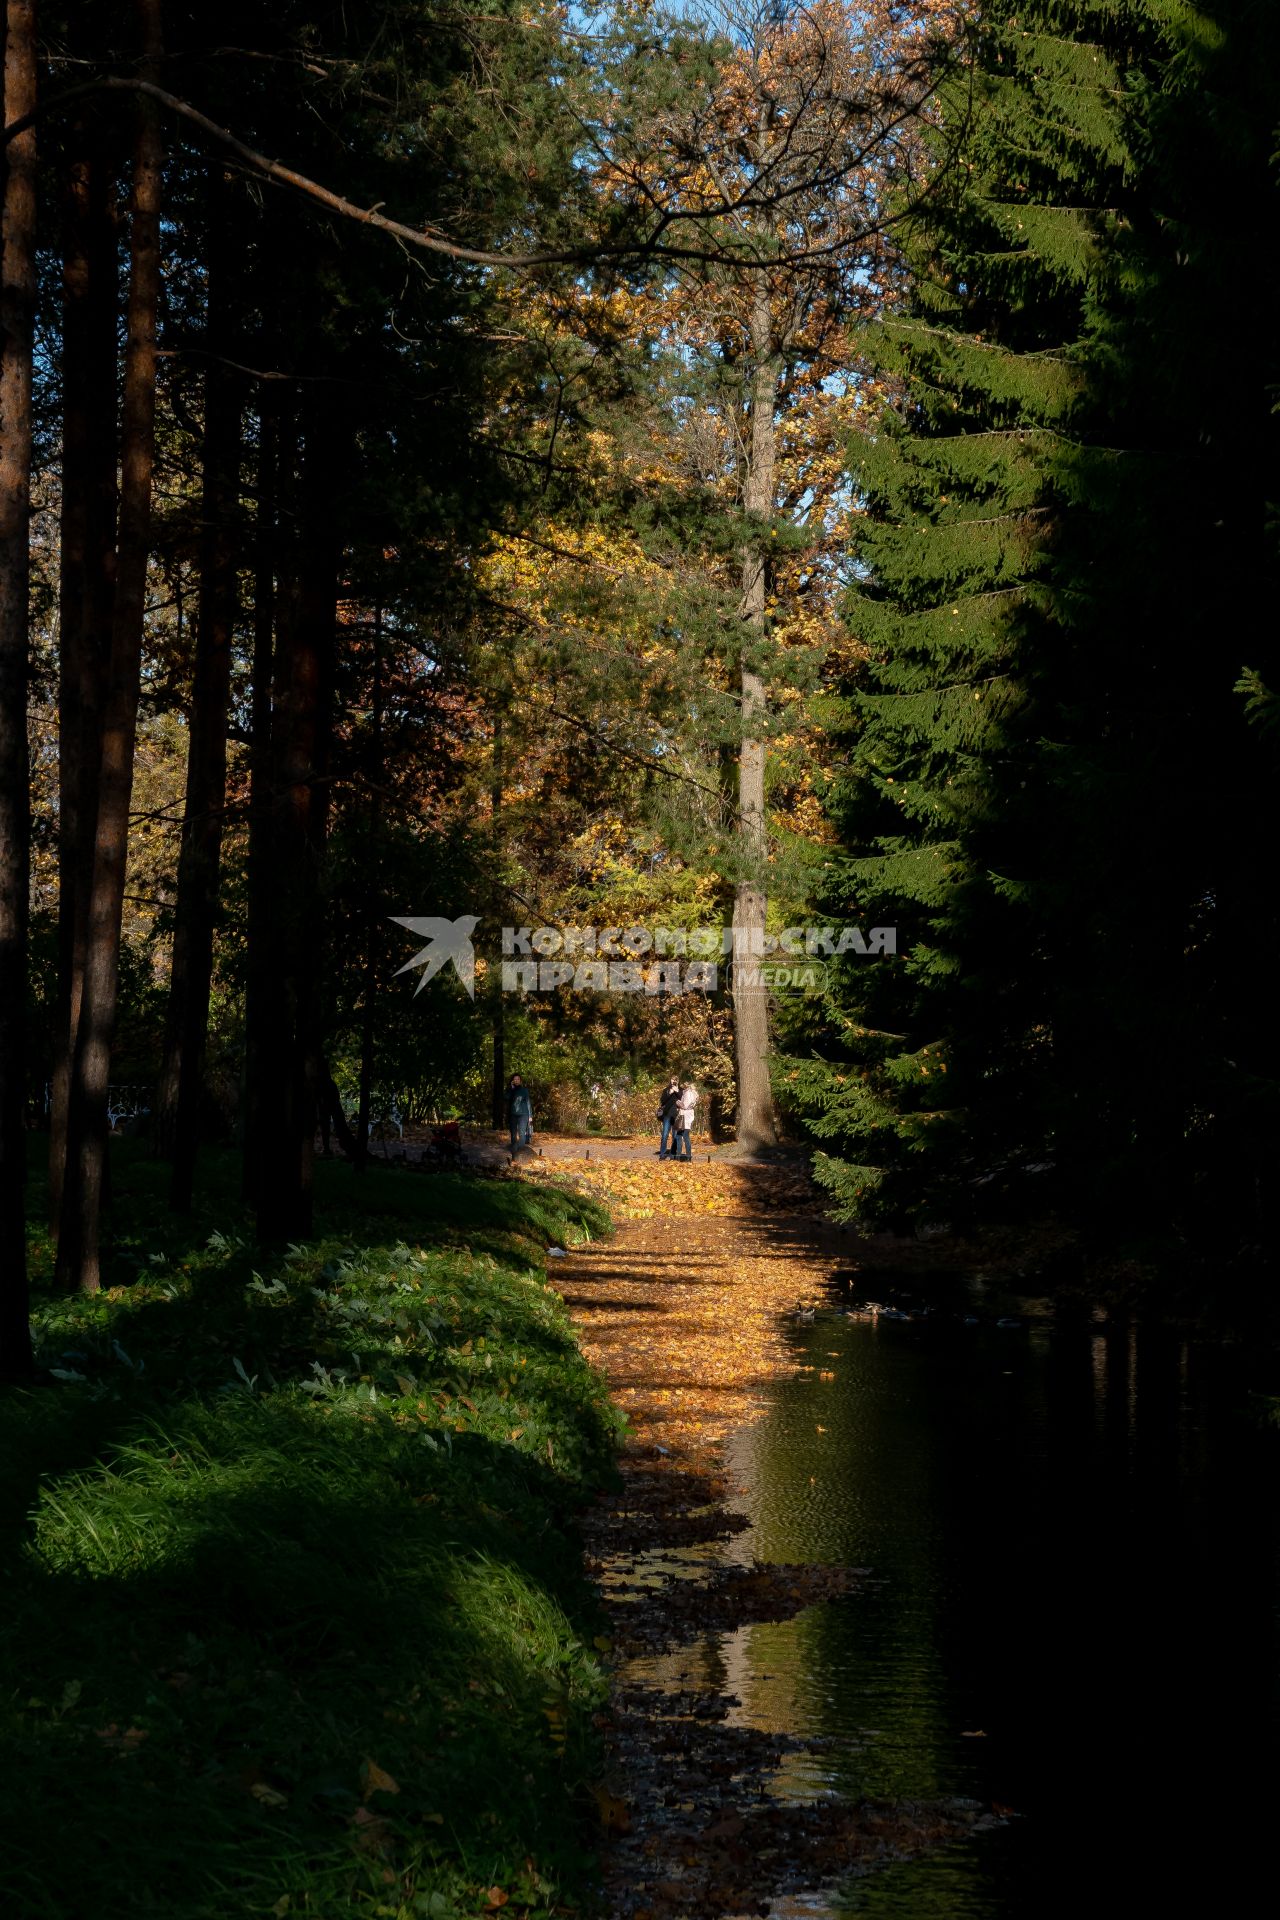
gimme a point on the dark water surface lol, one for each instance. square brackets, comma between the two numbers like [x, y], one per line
[1074, 1537]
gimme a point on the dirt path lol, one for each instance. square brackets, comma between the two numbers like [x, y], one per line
[685, 1310]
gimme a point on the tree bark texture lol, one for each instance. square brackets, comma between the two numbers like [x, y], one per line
[373, 946]
[80, 1232]
[756, 1128]
[17, 321]
[289, 1055]
[87, 563]
[497, 1015]
[201, 851]
[276, 453]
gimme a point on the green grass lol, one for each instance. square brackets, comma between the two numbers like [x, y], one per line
[301, 1528]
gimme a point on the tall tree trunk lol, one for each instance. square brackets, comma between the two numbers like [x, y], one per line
[268, 1000]
[78, 1242]
[301, 733]
[201, 852]
[496, 1017]
[498, 1029]
[87, 563]
[368, 1009]
[275, 457]
[756, 1127]
[17, 322]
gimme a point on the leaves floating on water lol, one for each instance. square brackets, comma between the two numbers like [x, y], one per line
[689, 1312]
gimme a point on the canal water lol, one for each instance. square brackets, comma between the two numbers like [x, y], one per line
[1071, 1610]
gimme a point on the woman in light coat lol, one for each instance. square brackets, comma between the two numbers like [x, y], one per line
[686, 1108]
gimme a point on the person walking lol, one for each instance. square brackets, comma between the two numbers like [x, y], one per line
[667, 1105]
[519, 1114]
[686, 1108]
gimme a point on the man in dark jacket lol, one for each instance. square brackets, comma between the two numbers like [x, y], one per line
[667, 1115]
[519, 1114]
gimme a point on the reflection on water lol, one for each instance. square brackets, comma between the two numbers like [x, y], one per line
[1073, 1612]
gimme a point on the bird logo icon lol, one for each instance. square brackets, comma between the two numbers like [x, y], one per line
[446, 940]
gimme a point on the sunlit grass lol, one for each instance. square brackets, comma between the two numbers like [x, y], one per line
[297, 1530]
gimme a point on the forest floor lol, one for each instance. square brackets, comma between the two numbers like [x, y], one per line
[685, 1311]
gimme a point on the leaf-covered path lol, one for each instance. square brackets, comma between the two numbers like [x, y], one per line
[685, 1311]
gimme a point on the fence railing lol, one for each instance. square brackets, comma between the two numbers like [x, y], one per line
[124, 1102]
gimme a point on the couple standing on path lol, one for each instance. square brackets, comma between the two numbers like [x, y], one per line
[676, 1110]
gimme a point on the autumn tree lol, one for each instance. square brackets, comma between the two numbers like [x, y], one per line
[696, 567]
[783, 181]
[824, 109]
[678, 576]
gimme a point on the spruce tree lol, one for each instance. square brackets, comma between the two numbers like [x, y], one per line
[1065, 524]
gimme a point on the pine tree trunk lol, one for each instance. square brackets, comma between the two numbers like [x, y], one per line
[17, 320]
[498, 1030]
[756, 1128]
[367, 1034]
[497, 1020]
[201, 852]
[269, 1004]
[78, 1243]
[272, 438]
[368, 1008]
[292, 1088]
[87, 562]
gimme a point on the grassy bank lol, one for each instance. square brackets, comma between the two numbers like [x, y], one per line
[291, 1611]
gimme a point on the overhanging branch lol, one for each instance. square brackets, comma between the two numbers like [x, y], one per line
[424, 238]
